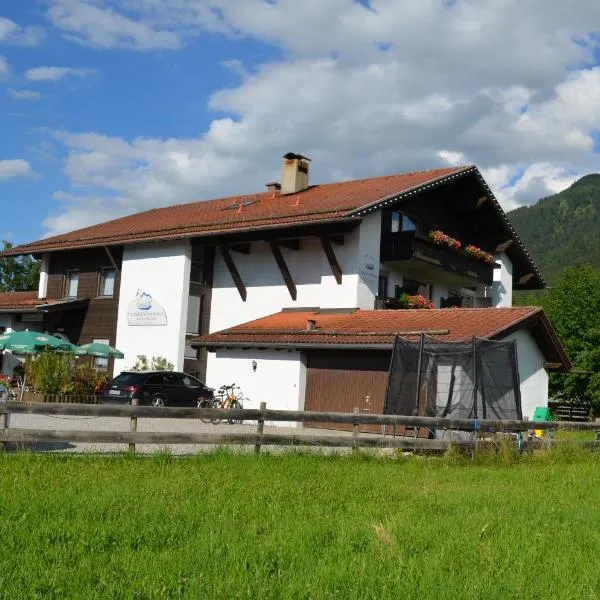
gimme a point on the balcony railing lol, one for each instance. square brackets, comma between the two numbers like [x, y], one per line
[412, 246]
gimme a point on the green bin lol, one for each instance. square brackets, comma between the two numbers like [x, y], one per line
[542, 413]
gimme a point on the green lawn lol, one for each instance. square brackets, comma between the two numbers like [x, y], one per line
[298, 526]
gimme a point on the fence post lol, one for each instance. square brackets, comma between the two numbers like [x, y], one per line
[133, 426]
[3, 422]
[355, 431]
[259, 428]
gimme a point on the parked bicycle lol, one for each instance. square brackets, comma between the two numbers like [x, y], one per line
[228, 397]
[214, 402]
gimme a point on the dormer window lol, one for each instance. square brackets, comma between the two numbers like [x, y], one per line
[402, 222]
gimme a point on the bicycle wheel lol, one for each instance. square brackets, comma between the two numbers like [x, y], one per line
[208, 403]
[236, 405]
[217, 403]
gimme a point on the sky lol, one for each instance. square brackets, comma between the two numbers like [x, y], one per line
[109, 107]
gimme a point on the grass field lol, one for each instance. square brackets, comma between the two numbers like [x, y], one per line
[299, 526]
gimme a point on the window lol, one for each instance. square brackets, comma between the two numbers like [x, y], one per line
[402, 222]
[382, 287]
[107, 282]
[71, 284]
[197, 272]
[194, 314]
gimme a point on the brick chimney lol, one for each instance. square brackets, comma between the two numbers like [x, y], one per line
[294, 173]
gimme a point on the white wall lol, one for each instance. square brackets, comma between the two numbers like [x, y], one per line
[162, 270]
[43, 283]
[533, 376]
[502, 286]
[267, 292]
[368, 260]
[279, 379]
[439, 291]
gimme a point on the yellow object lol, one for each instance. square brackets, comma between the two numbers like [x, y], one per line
[538, 433]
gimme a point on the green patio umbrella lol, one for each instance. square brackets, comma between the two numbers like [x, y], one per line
[98, 349]
[31, 342]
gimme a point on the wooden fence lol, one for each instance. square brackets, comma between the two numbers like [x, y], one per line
[255, 436]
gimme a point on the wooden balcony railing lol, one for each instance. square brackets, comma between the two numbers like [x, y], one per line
[412, 246]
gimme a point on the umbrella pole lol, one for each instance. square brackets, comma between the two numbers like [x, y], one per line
[23, 386]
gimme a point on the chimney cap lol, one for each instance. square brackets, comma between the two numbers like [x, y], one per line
[273, 185]
[294, 156]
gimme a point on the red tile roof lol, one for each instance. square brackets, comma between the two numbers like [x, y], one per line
[258, 211]
[15, 301]
[374, 328]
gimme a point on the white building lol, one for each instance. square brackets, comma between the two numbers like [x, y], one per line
[152, 282]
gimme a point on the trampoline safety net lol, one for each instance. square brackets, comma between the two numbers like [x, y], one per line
[476, 379]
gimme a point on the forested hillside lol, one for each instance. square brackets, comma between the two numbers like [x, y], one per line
[564, 229]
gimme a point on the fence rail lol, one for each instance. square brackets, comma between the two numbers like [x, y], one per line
[257, 438]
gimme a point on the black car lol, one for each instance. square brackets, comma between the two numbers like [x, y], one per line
[156, 388]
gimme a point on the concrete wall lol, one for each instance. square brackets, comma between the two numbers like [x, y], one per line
[279, 379]
[533, 376]
[163, 271]
[503, 281]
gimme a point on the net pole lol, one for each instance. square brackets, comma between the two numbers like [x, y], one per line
[386, 404]
[474, 379]
[419, 366]
[516, 380]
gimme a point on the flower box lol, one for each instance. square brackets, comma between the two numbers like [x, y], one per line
[441, 239]
[480, 254]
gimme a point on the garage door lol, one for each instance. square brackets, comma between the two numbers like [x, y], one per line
[340, 381]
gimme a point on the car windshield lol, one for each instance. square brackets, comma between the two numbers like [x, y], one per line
[126, 379]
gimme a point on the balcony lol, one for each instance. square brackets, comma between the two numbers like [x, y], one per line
[417, 256]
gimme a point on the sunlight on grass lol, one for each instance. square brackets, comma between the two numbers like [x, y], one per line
[299, 526]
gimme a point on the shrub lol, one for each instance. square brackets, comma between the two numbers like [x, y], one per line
[156, 363]
[50, 372]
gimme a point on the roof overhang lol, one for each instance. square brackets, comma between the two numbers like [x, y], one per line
[240, 233]
[61, 305]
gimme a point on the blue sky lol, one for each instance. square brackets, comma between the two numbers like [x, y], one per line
[113, 106]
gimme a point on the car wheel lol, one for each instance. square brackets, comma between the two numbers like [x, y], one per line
[158, 401]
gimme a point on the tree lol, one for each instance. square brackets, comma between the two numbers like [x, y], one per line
[18, 273]
[573, 306]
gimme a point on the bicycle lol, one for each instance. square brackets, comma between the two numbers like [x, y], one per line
[231, 397]
[7, 393]
[214, 402]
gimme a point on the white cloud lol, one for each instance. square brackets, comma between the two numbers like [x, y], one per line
[56, 73]
[13, 168]
[4, 68]
[90, 24]
[406, 85]
[11, 33]
[24, 94]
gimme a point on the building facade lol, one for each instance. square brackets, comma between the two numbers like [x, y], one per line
[154, 283]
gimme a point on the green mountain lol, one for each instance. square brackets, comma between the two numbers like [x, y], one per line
[564, 229]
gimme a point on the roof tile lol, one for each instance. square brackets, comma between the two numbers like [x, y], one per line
[260, 210]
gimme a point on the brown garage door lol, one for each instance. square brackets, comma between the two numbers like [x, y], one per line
[340, 381]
